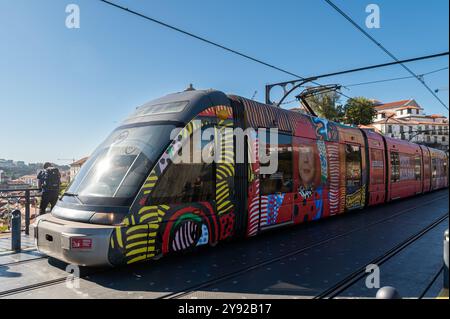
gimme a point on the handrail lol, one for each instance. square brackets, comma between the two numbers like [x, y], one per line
[7, 190]
[27, 197]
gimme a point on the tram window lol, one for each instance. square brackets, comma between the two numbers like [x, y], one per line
[377, 166]
[184, 183]
[353, 165]
[120, 164]
[163, 108]
[187, 182]
[395, 167]
[417, 168]
[434, 167]
[280, 181]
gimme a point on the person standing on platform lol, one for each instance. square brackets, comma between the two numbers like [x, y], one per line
[49, 180]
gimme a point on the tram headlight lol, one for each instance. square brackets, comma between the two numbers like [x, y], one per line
[106, 218]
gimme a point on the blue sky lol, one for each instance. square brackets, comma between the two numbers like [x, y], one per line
[63, 90]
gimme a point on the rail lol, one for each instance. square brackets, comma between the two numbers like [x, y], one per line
[19, 193]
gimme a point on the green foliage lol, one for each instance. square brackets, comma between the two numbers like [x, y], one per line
[356, 111]
[359, 111]
[326, 105]
[62, 188]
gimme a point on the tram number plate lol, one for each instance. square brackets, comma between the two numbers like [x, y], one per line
[81, 243]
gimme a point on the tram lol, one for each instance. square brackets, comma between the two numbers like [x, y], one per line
[134, 199]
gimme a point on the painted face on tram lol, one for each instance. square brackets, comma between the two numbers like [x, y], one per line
[306, 165]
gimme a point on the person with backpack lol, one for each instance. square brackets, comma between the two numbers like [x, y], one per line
[49, 180]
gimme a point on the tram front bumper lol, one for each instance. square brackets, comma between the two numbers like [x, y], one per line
[76, 243]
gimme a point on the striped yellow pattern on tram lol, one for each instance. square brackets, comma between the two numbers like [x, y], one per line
[140, 240]
[138, 234]
[224, 167]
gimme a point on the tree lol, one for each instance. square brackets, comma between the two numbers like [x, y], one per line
[326, 105]
[359, 111]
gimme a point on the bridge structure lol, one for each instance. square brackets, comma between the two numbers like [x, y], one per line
[399, 244]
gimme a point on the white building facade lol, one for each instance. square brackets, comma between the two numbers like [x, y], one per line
[405, 120]
[29, 180]
[75, 168]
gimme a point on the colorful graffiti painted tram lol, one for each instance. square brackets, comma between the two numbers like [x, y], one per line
[133, 201]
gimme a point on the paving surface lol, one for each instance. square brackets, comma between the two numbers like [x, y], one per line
[5, 242]
[296, 262]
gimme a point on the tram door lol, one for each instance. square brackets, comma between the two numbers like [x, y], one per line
[426, 176]
[434, 172]
[196, 193]
[225, 172]
[353, 177]
[276, 187]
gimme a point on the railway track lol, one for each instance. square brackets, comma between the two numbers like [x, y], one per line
[189, 290]
[51, 282]
[180, 294]
[360, 273]
[435, 277]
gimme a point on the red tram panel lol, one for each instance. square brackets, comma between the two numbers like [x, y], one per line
[426, 169]
[439, 166]
[405, 169]
[376, 167]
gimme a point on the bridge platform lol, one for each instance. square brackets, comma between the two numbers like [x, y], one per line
[323, 259]
[5, 242]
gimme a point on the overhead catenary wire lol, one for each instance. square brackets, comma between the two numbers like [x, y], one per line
[368, 68]
[349, 19]
[210, 42]
[246, 56]
[394, 79]
[375, 66]
[385, 80]
[202, 39]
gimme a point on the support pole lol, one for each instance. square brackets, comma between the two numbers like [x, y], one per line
[27, 212]
[16, 229]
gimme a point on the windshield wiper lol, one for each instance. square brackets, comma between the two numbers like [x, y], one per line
[70, 194]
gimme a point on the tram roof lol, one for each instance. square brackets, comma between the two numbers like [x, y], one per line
[177, 107]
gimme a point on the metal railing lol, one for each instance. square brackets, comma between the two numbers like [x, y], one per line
[22, 193]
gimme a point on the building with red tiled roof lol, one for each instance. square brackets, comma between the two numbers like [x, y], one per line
[405, 120]
[75, 167]
[79, 162]
[397, 104]
[29, 180]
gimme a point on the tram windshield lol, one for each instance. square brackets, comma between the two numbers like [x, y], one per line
[117, 168]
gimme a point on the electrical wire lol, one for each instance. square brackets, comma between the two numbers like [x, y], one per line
[246, 56]
[394, 79]
[347, 17]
